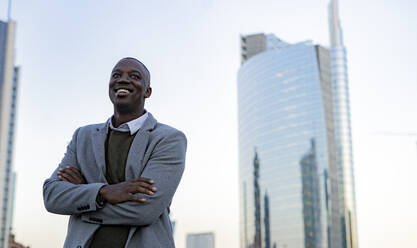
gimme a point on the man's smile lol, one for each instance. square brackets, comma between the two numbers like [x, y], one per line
[122, 91]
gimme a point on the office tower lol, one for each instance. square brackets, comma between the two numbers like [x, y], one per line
[200, 240]
[342, 128]
[266, 222]
[12, 200]
[173, 226]
[14, 244]
[257, 196]
[9, 76]
[311, 197]
[287, 145]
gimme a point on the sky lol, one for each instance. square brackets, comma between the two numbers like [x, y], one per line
[66, 50]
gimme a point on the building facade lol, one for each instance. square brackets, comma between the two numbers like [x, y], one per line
[287, 159]
[9, 77]
[14, 244]
[200, 240]
[343, 131]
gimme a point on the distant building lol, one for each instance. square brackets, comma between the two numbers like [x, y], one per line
[266, 222]
[257, 242]
[287, 146]
[9, 78]
[14, 244]
[200, 240]
[343, 132]
[173, 226]
[311, 197]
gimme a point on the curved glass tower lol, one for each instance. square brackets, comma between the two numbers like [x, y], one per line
[343, 128]
[288, 176]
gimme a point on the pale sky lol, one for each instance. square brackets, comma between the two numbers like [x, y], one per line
[67, 49]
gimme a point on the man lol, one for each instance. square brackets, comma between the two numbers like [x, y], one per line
[117, 179]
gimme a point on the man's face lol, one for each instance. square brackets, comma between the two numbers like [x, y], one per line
[127, 87]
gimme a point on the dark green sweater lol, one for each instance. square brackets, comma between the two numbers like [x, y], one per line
[117, 148]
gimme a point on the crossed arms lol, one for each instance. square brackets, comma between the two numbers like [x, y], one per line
[116, 193]
[137, 202]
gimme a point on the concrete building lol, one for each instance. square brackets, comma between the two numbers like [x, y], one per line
[9, 78]
[200, 240]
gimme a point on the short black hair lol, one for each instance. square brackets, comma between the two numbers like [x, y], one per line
[148, 74]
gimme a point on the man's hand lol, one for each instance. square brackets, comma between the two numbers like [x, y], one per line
[125, 191]
[71, 175]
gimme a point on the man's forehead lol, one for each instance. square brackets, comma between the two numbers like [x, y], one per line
[130, 64]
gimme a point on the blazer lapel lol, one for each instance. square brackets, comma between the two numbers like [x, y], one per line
[99, 139]
[134, 163]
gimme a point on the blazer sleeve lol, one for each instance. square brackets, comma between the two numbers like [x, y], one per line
[62, 197]
[165, 166]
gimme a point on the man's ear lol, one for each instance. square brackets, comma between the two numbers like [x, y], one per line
[148, 92]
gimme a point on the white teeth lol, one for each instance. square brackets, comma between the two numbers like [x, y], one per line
[122, 91]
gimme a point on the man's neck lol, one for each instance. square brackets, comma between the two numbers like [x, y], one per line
[119, 119]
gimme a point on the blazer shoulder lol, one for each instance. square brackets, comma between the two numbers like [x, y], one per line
[163, 130]
[89, 129]
[94, 127]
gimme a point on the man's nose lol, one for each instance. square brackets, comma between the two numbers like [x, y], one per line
[124, 78]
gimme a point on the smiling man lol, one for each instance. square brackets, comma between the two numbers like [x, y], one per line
[117, 179]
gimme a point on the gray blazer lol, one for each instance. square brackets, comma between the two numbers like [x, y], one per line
[157, 152]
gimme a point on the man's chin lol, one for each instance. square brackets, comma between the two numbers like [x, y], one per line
[124, 108]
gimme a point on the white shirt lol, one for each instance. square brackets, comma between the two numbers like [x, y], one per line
[132, 126]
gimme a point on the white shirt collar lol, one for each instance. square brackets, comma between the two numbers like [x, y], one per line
[132, 126]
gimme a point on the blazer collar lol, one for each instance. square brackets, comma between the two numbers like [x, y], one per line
[134, 162]
[148, 125]
[136, 153]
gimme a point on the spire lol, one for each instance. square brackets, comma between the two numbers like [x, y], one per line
[9, 10]
[336, 36]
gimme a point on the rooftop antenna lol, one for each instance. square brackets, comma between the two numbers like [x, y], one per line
[9, 10]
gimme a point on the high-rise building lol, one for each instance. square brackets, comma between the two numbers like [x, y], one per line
[14, 244]
[266, 222]
[200, 240]
[311, 197]
[257, 243]
[287, 153]
[9, 77]
[342, 128]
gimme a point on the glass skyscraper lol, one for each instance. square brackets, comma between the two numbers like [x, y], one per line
[288, 175]
[9, 77]
[343, 128]
[200, 240]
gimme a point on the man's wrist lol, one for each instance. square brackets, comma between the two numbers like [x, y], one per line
[100, 199]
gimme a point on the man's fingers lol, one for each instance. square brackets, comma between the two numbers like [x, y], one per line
[136, 198]
[142, 187]
[61, 178]
[144, 190]
[147, 186]
[72, 173]
[144, 179]
[75, 171]
[65, 177]
[135, 188]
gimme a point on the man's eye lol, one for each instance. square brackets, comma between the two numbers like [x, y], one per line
[134, 76]
[116, 75]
